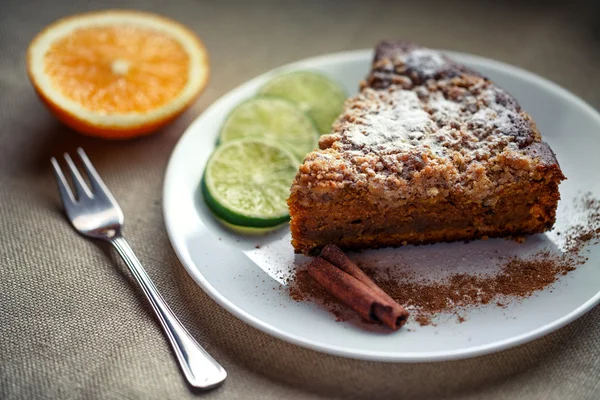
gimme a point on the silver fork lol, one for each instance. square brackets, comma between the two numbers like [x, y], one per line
[95, 213]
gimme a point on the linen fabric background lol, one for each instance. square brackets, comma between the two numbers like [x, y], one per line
[73, 324]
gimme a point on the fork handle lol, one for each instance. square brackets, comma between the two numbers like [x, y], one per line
[200, 369]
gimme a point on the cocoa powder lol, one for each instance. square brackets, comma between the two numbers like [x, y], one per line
[518, 278]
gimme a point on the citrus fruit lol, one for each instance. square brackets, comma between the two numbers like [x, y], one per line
[246, 182]
[317, 95]
[275, 120]
[117, 74]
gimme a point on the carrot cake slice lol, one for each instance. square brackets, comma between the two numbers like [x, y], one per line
[428, 151]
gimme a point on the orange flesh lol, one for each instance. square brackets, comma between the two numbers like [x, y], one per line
[118, 69]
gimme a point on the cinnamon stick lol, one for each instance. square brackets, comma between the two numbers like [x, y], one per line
[337, 257]
[370, 305]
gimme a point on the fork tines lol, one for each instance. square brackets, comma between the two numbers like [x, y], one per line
[82, 190]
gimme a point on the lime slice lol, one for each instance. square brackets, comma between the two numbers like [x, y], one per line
[275, 120]
[247, 182]
[317, 95]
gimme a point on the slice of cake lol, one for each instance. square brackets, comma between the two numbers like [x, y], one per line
[428, 151]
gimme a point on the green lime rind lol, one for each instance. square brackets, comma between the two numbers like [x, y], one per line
[316, 94]
[233, 220]
[273, 119]
[241, 229]
[246, 182]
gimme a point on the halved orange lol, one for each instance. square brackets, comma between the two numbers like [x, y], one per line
[117, 74]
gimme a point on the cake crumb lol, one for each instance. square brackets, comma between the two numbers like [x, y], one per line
[518, 238]
[423, 319]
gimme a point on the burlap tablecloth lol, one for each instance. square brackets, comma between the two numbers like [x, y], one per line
[73, 325]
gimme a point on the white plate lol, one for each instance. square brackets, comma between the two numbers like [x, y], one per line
[246, 280]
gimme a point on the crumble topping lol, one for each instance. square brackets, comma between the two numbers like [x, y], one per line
[422, 121]
[437, 119]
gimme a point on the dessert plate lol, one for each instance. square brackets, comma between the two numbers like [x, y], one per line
[247, 273]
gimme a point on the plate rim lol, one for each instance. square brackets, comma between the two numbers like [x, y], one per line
[398, 357]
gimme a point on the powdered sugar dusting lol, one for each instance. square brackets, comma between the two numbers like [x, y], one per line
[427, 62]
[490, 119]
[391, 123]
[442, 109]
[434, 119]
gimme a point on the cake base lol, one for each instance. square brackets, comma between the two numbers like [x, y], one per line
[357, 220]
